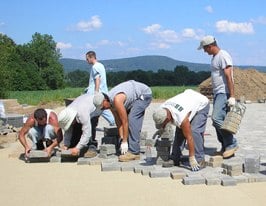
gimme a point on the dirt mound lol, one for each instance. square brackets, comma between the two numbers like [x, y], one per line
[249, 85]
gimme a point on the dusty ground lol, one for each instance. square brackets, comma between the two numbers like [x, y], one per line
[70, 184]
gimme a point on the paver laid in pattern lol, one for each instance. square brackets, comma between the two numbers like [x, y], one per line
[248, 165]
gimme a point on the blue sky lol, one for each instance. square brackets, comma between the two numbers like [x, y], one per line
[128, 28]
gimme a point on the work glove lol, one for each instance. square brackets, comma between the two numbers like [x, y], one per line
[194, 164]
[124, 147]
[231, 101]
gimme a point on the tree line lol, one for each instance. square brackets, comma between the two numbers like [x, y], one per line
[35, 66]
[31, 66]
[180, 76]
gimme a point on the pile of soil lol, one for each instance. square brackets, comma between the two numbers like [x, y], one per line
[250, 84]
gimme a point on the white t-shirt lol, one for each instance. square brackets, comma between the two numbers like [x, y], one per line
[218, 63]
[181, 104]
[97, 70]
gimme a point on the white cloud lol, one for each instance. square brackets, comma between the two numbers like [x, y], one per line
[62, 45]
[260, 20]
[105, 42]
[167, 35]
[209, 9]
[154, 28]
[92, 24]
[225, 26]
[164, 38]
[160, 45]
[189, 33]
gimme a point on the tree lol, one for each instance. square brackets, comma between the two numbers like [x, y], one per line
[77, 78]
[46, 57]
[7, 49]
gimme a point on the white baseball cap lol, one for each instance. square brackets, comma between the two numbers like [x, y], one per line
[98, 100]
[66, 117]
[159, 117]
[207, 40]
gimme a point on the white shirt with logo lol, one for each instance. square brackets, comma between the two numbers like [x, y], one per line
[184, 103]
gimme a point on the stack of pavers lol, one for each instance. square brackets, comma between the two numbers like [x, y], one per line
[111, 136]
[233, 168]
[252, 168]
[143, 138]
[215, 161]
[163, 148]
[107, 151]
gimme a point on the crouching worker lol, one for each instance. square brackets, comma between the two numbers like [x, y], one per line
[188, 111]
[127, 101]
[79, 120]
[42, 126]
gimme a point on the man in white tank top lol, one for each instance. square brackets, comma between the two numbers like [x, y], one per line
[42, 126]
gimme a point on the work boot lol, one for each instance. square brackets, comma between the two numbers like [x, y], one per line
[92, 152]
[219, 153]
[128, 157]
[230, 152]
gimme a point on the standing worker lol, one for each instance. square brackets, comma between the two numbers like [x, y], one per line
[98, 83]
[223, 91]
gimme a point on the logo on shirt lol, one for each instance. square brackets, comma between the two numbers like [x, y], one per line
[177, 106]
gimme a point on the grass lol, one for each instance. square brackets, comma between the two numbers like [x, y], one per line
[166, 92]
[46, 96]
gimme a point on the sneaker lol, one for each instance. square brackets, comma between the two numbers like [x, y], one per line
[169, 163]
[230, 152]
[128, 157]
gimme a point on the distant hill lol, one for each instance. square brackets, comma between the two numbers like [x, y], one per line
[145, 63]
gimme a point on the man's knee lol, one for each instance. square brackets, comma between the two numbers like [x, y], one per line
[49, 132]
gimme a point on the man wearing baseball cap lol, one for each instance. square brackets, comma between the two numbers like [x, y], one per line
[127, 101]
[188, 111]
[76, 122]
[223, 92]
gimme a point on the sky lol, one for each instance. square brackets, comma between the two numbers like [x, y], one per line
[127, 28]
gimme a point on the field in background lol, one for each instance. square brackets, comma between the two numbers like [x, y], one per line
[58, 96]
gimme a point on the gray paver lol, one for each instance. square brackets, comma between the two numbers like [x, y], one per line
[159, 173]
[249, 141]
[228, 181]
[110, 166]
[38, 154]
[55, 159]
[65, 153]
[110, 131]
[193, 180]
[241, 179]
[177, 175]
[213, 181]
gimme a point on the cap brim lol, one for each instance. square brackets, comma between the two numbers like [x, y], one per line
[200, 47]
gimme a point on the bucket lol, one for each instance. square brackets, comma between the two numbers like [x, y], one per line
[233, 118]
